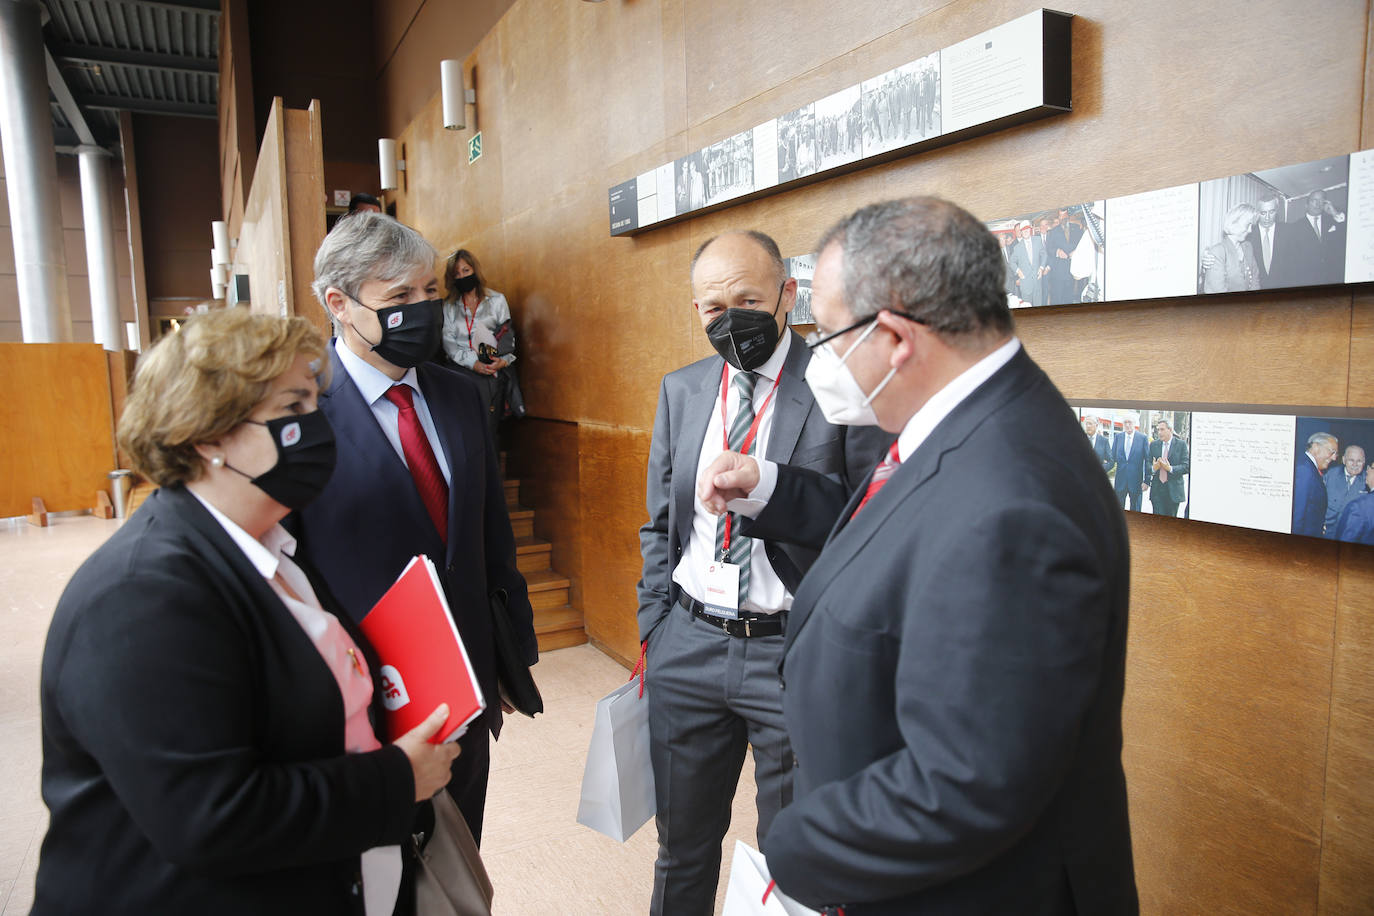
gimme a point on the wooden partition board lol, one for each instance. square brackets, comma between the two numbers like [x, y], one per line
[305, 197]
[1246, 718]
[263, 251]
[59, 426]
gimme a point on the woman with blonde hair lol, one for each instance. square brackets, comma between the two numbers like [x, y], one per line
[1232, 267]
[209, 740]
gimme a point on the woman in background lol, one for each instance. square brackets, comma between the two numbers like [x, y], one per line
[208, 732]
[475, 315]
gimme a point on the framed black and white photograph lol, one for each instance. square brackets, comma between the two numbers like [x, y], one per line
[689, 176]
[802, 268]
[797, 144]
[839, 131]
[729, 167]
[1306, 206]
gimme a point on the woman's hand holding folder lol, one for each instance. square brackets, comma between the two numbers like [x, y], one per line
[429, 762]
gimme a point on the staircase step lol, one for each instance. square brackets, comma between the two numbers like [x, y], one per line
[532, 554]
[522, 522]
[512, 494]
[558, 628]
[548, 589]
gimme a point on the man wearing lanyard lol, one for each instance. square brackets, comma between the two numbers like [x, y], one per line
[712, 603]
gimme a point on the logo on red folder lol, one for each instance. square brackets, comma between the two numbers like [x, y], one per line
[394, 320]
[394, 694]
[290, 434]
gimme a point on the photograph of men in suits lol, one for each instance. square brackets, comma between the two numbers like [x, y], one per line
[1318, 250]
[712, 671]
[955, 658]
[1102, 445]
[1309, 490]
[1129, 451]
[1029, 263]
[1344, 482]
[417, 471]
[1168, 466]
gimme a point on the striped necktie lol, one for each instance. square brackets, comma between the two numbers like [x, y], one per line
[880, 475]
[740, 547]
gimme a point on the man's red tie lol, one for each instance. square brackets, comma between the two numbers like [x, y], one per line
[880, 475]
[429, 480]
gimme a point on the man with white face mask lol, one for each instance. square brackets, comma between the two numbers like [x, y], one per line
[712, 604]
[954, 660]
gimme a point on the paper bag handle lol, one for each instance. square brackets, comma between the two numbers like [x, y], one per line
[641, 667]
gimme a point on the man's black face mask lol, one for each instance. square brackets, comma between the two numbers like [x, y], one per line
[746, 337]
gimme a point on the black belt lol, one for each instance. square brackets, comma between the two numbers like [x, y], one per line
[757, 625]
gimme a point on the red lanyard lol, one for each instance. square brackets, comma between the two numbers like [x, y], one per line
[748, 437]
[469, 319]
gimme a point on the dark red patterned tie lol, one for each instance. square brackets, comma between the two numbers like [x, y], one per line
[880, 475]
[429, 480]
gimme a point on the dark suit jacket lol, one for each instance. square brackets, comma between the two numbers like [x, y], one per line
[953, 673]
[1339, 494]
[1102, 448]
[1178, 459]
[1312, 261]
[1130, 472]
[370, 520]
[1356, 522]
[1309, 497]
[1273, 277]
[193, 738]
[799, 435]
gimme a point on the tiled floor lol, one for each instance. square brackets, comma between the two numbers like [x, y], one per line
[542, 862]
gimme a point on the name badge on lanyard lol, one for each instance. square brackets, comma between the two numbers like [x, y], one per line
[721, 582]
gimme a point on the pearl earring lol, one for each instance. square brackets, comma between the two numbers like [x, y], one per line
[217, 461]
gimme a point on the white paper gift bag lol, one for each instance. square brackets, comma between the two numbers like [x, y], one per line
[751, 891]
[618, 783]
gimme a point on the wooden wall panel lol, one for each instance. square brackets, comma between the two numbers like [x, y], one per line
[1347, 866]
[59, 426]
[1227, 694]
[614, 462]
[1246, 720]
[542, 454]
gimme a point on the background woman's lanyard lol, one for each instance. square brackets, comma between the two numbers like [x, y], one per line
[468, 318]
[748, 437]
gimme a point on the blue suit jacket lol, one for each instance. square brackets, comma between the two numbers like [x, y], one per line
[1309, 498]
[1102, 448]
[370, 520]
[1130, 472]
[1356, 523]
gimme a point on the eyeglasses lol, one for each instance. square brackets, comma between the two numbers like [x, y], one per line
[816, 338]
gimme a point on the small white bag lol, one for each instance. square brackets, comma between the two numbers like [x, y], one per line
[618, 783]
[751, 891]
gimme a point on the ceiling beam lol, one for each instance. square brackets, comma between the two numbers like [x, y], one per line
[89, 54]
[185, 6]
[149, 106]
[63, 93]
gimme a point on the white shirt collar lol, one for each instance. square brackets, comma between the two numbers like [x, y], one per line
[265, 555]
[923, 423]
[773, 367]
[372, 382]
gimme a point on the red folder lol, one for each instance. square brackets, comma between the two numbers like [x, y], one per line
[424, 661]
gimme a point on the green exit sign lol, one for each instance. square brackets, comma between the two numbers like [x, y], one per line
[475, 148]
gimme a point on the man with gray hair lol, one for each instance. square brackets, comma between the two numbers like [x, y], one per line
[1168, 465]
[712, 604]
[1309, 492]
[1344, 482]
[955, 659]
[416, 470]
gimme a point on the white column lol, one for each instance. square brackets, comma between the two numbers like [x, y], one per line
[31, 175]
[100, 247]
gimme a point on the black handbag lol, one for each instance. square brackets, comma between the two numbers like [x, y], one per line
[512, 674]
